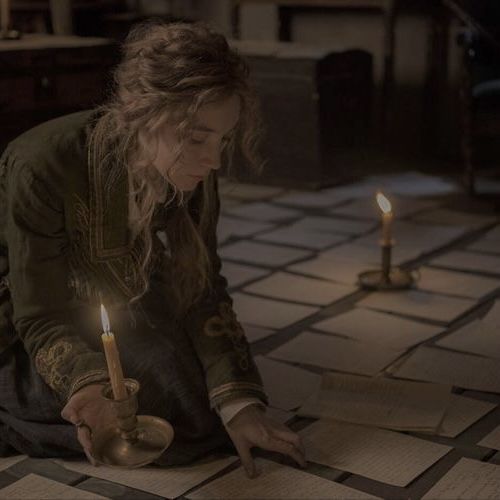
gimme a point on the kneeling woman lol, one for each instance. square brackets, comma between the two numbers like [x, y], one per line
[120, 205]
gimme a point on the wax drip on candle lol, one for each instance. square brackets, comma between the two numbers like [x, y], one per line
[387, 216]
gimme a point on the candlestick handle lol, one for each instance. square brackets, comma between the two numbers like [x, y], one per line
[386, 263]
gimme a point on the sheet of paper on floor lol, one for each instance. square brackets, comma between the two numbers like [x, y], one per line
[242, 227]
[447, 367]
[467, 479]
[339, 270]
[6, 462]
[454, 217]
[424, 237]
[265, 212]
[419, 304]
[455, 283]
[491, 440]
[370, 254]
[381, 328]
[253, 252]
[378, 454]
[238, 274]
[468, 261]
[267, 312]
[474, 338]
[367, 208]
[462, 412]
[318, 199]
[287, 387]
[245, 191]
[169, 482]
[379, 401]
[287, 286]
[275, 481]
[254, 333]
[493, 234]
[42, 488]
[278, 415]
[335, 353]
[299, 237]
[485, 245]
[492, 318]
[336, 225]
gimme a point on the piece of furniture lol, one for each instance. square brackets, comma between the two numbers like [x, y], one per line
[316, 107]
[479, 86]
[44, 76]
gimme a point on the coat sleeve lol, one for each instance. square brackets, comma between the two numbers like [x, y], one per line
[38, 249]
[219, 338]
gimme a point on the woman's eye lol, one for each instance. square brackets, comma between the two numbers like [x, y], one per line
[196, 139]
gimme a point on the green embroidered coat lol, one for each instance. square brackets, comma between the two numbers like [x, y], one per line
[63, 227]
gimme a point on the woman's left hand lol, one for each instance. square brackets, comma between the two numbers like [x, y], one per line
[252, 428]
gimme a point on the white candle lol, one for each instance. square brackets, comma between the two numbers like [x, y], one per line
[112, 358]
[387, 217]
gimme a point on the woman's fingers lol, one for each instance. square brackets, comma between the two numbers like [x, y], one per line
[287, 435]
[285, 448]
[246, 458]
[85, 437]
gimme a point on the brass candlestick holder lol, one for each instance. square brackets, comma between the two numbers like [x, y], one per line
[8, 34]
[388, 277]
[135, 440]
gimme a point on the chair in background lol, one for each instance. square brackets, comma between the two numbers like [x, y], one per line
[479, 85]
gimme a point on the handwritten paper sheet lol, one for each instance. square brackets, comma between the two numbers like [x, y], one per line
[335, 353]
[263, 211]
[260, 253]
[367, 208]
[467, 479]
[286, 386]
[169, 482]
[269, 313]
[381, 328]
[287, 286]
[419, 304]
[456, 283]
[254, 333]
[378, 401]
[469, 261]
[297, 236]
[447, 367]
[379, 454]
[238, 274]
[475, 338]
[338, 270]
[43, 488]
[492, 440]
[338, 225]
[6, 462]
[462, 412]
[275, 481]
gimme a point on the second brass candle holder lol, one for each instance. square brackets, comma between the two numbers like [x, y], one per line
[136, 440]
[388, 277]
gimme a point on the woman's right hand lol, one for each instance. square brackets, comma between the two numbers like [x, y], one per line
[88, 410]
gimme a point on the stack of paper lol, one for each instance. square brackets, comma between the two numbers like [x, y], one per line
[447, 367]
[381, 455]
[335, 353]
[468, 261]
[419, 304]
[288, 286]
[456, 283]
[378, 327]
[269, 313]
[6, 462]
[42, 488]
[380, 402]
[286, 386]
[260, 253]
[169, 482]
[466, 480]
[275, 481]
[480, 336]
[492, 440]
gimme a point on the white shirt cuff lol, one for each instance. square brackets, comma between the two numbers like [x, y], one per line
[227, 411]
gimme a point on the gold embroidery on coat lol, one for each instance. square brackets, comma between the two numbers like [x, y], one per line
[51, 363]
[225, 323]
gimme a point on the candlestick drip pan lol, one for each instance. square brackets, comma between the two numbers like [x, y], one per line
[396, 279]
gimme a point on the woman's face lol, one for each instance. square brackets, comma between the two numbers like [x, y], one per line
[213, 125]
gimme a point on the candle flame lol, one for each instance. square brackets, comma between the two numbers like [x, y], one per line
[384, 203]
[105, 320]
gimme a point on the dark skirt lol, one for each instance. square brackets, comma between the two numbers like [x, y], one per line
[155, 350]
